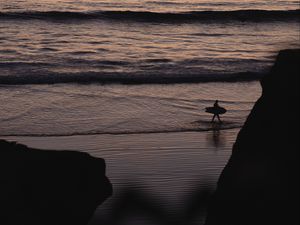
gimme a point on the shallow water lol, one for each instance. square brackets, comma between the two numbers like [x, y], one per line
[64, 110]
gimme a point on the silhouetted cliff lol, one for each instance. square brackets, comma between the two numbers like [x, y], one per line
[260, 183]
[42, 187]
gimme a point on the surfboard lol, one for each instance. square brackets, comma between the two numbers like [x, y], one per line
[215, 110]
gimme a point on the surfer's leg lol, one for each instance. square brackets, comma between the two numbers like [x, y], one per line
[213, 118]
[219, 118]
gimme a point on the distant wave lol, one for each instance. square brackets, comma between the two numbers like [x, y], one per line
[123, 78]
[145, 16]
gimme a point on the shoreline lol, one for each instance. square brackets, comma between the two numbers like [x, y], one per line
[37, 141]
[213, 129]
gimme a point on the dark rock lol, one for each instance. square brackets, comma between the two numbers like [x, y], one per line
[260, 183]
[42, 187]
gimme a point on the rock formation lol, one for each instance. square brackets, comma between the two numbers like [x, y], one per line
[260, 183]
[42, 187]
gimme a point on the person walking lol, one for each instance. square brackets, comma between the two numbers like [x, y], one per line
[216, 114]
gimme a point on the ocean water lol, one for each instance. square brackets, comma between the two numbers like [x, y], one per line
[55, 57]
[142, 41]
[129, 81]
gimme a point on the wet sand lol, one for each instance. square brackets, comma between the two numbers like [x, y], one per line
[168, 167]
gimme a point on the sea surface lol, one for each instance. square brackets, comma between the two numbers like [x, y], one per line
[129, 81]
[46, 42]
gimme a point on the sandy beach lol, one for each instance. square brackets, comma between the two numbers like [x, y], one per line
[168, 167]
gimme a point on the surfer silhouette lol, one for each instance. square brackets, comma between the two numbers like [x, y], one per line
[216, 105]
[216, 110]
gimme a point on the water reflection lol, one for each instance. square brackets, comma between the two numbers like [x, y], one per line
[215, 137]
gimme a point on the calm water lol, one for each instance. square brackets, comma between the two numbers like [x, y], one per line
[64, 110]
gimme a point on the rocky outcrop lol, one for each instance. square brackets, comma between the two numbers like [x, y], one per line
[260, 183]
[42, 187]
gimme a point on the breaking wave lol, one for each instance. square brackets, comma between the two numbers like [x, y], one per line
[123, 78]
[146, 16]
